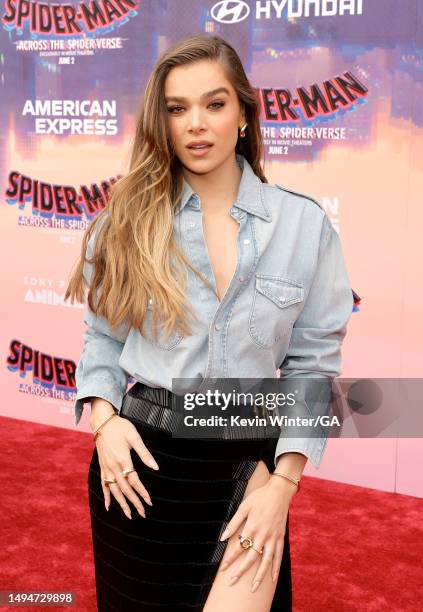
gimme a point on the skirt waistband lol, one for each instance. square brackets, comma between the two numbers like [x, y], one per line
[152, 406]
[156, 395]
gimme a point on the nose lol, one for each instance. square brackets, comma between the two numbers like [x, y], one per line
[196, 119]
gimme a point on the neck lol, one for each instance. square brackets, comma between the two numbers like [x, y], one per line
[218, 188]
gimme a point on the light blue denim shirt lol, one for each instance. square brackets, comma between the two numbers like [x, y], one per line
[287, 306]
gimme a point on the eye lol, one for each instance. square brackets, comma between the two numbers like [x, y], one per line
[172, 108]
[220, 104]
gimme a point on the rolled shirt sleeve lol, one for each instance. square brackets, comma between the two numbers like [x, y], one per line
[313, 358]
[98, 373]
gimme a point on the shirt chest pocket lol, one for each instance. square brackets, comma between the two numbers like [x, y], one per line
[277, 303]
[159, 340]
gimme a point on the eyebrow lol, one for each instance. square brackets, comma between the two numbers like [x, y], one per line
[207, 94]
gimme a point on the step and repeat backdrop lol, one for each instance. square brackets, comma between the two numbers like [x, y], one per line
[340, 85]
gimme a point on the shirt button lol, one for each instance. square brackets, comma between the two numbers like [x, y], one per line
[242, 279]
[246, 241]
[217, 326]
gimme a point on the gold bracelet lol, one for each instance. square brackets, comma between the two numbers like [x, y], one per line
[296, 481]
[96, 431]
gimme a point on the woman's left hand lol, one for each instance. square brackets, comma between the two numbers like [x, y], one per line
[265, 512]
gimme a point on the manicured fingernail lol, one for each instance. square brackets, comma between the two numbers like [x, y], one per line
[107, 507]
[255, 586]
[274, 576]
[224, 566]
[153, 464]
[148, 500]
[224, 534]
[233, 579]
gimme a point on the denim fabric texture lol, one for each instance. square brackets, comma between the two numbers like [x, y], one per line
[287, 307]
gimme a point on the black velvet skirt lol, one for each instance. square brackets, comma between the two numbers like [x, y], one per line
[168, 561]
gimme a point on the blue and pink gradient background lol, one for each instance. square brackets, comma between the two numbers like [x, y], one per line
[371, 184]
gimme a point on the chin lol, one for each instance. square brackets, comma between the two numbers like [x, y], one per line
[200, 165]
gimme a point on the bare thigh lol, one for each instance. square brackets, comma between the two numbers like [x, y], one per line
[238, 597]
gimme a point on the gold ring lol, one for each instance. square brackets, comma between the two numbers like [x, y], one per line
[108, 481]
[245, 541]
[127, 471]
[260, 552]
[248, 542]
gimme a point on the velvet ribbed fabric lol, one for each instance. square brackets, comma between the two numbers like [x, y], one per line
[169, 560]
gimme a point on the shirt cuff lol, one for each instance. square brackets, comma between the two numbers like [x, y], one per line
[98, 388]
[312, 448]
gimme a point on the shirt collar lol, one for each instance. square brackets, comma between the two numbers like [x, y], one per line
[250, 193]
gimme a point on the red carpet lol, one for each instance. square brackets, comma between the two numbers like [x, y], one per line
[352, 548]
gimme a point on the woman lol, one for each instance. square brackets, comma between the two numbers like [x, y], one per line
[194, 228]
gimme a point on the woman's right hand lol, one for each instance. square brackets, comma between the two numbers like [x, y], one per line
[116, 438]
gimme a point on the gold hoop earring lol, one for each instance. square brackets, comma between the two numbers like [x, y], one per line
[242, 130]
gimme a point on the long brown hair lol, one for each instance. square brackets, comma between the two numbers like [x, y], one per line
[135, 254]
